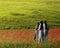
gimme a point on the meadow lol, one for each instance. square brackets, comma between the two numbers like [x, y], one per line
[24, 14]
[25, 39]
[27, 45]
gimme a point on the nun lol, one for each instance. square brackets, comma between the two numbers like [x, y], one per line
[36, 31]
[45, 30]
[39, 32]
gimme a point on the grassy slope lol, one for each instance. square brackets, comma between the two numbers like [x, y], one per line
[24, 14]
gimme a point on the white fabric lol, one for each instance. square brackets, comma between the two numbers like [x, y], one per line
[44, 30]
[39, 33]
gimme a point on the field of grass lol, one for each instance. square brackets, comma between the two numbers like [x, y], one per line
[24, 14]
[25, 39]
[27, 45]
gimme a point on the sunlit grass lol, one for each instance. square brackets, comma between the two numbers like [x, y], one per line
[24, 14]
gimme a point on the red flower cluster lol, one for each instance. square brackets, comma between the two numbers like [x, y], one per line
[27, 35]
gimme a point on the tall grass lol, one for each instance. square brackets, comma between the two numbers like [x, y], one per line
[30, 45]
[24, 14]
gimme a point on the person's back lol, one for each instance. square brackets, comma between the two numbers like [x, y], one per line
[41, 32]
[45, 30]
[36, 31]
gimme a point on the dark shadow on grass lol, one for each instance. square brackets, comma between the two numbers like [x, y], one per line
[17, 14]
[52, 2]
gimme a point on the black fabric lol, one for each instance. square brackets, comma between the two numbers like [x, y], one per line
[41, 27]
[37, 26]
[42, 30]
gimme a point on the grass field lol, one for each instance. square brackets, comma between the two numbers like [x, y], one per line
[25, 39]
[24, 14]
[32, 45]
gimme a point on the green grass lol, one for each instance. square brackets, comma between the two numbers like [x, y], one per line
[24, 14]
[29, 45]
